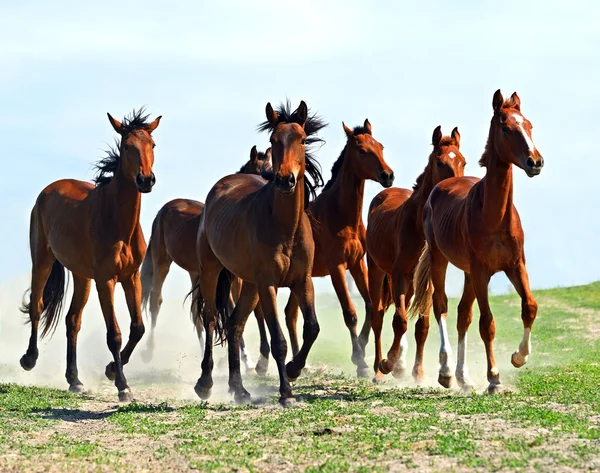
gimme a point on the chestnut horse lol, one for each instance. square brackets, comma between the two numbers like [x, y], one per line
[339, 232]
[258, 231]
[94, 232]
[395, 240]
[173, 239]
[473, 224]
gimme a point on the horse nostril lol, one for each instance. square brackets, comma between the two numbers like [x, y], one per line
[530, 162]
[152, 179]
[291, 180]
[541, 163]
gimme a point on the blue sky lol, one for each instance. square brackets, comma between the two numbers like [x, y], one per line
[210, 67]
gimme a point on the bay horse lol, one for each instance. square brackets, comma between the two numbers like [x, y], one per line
[395, 240]
[473, 224]
[339, 232]
[258, 231]
[173, 239]
[93, 231]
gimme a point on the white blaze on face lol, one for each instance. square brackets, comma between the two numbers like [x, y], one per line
[530, 145]
[452, 155]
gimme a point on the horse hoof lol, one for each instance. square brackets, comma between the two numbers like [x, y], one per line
[147, 356]
[262, 366]
[518, 360]
[363, 372]
[378, 378]
[445, 381]
[77, 388]
[110, 371]
[383, 367]
[292, 372]
[27, 362]
[418, 376]
[125, 395]
[287, 401]
[242, 397]
[495, 389]
[398, 372]
[202, 392]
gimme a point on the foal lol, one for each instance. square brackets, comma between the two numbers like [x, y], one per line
[173, 239]
[473, 224]
[258, 231]
[395, 239]
[94, 232]
[339, 232]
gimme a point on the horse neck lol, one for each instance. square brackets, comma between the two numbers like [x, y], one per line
[420, 195]
[498, 191]
[348, 192]
[288, 209]
[124, 203]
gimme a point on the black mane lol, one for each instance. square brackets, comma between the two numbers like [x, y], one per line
[337, 166]
[107, 166]
[313, 178]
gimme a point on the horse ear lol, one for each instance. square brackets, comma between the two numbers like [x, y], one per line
[437, 136]
[368, 126]
[268, 154]
[497, 101]
[253, 154]
[348, 131]
[272, 116]
[302, 113]
[116, 124]
[516, 101]
[456, 136]
[154, 124]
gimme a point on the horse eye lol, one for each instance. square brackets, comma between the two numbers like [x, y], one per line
[505, 129]
[153, 146]
[303, 142]
[439, 163]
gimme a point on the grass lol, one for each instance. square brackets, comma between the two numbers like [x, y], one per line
[548, 421]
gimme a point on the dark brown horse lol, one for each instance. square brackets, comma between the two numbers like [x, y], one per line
[395, 240]
[173, 239]
[94, 232]
[473, 224]
[258, 231]
[339, 232]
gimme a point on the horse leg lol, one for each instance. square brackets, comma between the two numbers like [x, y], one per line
[268, 301]
[439, 264]
[396, 357]
[360, 275]
[291, 320]
[520, 280]
[480, 278]
[263, 360]
[81, 292]
[338, 278]
[106, 290]
[305, 294]
[465, 315]
[197, 318]
[376, 280]
[421, 332]
[43, 259]
[235, 328]
[161, 269]
[245, 355]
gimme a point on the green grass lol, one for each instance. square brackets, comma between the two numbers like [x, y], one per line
[547, 421]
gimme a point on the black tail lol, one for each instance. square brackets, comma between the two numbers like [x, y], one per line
[197, 301]
[53, 296]
[386, 293]
[224, 306]
[146, 275]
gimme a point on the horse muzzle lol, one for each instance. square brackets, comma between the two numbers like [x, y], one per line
[386, 179]
[532, 166]
[285, 184]
[145, 183]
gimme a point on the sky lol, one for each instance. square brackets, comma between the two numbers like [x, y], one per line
[209, 68]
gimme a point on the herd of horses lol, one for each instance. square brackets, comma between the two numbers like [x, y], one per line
[265, 227]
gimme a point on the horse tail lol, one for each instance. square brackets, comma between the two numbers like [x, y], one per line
[423, 299]
[386, 293]
[146, 276]
[52, 299]
[224, 305]
[197, 302]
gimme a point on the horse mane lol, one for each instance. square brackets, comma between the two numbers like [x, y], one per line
[313, 178]
[508, 103]
[107, 166]
[337, 166]
[445, 141]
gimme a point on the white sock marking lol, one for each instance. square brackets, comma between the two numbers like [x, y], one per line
[445, 349]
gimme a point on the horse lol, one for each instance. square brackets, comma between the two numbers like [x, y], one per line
[173, 239]
[339, 232]
[473, 224]
[94, 231]
[258, 231]
[395, 240]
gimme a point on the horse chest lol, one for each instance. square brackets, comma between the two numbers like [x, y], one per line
[499, 251]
